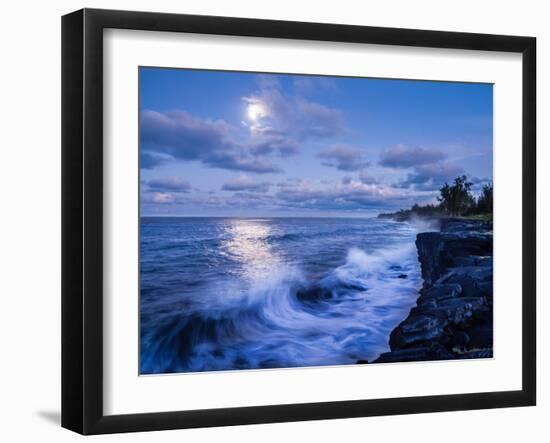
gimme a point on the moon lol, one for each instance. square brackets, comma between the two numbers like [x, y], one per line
[255, 111]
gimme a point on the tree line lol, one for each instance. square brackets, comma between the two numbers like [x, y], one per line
[455, 199]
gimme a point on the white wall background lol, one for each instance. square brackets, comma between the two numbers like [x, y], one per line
[30, 222]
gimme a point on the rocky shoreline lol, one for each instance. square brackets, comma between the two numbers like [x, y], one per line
[453, 318]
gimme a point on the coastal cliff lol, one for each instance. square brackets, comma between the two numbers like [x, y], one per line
[453, 317]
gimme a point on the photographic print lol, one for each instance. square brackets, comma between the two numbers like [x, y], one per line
[299, 220]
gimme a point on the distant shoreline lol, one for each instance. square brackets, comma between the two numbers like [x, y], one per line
[407, 216]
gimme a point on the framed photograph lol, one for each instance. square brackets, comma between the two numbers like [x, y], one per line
[269, 221]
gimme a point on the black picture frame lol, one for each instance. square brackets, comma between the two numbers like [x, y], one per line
[82, 219]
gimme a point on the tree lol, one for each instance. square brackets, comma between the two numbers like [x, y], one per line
[485, 200]
[456, 199]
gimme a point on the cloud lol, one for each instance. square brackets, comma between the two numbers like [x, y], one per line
[294, 179]
[346, 180]
[267, 144]
[283, 124]
[340, 196]
[366, 178]
[401, 156]
[268, 81]
[430, 170]
[240, 200]
[478, 183]
[244, 183]
[293, 117]
[431, 176]
[182, 136]
[169, 184]
[293, 195]
[317, 120]
[158, 197]
[242, 162]
[343, 157]
[305, 85]
[149, 160]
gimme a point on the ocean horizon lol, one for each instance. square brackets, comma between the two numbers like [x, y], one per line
[359, 216]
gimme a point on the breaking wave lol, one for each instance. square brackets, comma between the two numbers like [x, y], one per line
[282, 316]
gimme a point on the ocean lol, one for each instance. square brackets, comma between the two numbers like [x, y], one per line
[257, 293]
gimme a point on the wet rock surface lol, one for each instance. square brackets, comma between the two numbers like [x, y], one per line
[453, 318]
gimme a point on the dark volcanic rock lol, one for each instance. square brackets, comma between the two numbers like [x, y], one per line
[433, 352]
[473, 261]
[485, 353]
[438, 251]
[461, 225]
[453, 317]
[420, 328]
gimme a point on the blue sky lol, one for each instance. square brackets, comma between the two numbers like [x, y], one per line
[216, 143]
